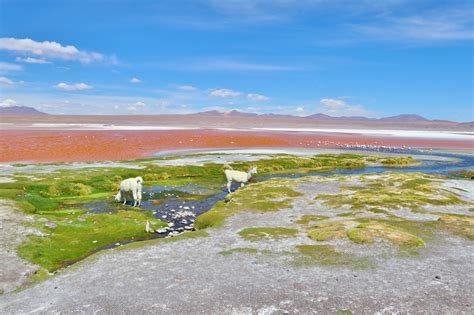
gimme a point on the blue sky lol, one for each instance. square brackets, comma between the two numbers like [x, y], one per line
[366, 57]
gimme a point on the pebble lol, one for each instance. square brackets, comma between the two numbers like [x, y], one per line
[161, 231]
[50, 225]
[95, 241]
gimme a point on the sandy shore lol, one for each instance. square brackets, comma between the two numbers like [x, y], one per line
[99, 145]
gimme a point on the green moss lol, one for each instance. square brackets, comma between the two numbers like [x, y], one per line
[305, 219]
[260, 233]
[326, 255]
[69, 242]
[271, 195]
[458, 224]
[330, 230]
[297, 164]
[247, 250]
[377, 195]
[345, 214]
[467, 174]
[40, 203]
[344, 312]
[368, 232]
[399, 161]
[10, 193]
[26, 207]
[364, 232]
[40, 275]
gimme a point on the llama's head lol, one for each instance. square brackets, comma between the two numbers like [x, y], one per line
[139, 180]
[253, 170]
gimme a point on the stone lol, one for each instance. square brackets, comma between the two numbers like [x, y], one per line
[50, 225]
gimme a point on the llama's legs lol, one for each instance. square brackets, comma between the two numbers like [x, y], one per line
[242, 184]
[229, 183]
[135, 199]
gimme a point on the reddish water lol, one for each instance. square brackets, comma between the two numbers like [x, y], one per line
[74, 145]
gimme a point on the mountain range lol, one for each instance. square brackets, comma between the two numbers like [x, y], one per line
[20, 111]
[319, 116]
[19, 115]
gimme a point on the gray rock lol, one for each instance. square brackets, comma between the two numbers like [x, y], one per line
[50, 225]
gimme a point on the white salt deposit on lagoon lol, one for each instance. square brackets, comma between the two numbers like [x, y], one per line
[431, 134]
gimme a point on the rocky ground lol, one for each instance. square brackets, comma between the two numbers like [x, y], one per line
[14, 271]
[287, 251]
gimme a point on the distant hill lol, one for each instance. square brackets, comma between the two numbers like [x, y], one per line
[232, 113]
[404, 118]
[319, 116]
[20, 111]
[327, 117]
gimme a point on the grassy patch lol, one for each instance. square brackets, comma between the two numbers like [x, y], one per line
[326, 255]
[458, 224]
[397, 162]
[260, 233]
[77, 237]
[271, 195]
[40, 275]
[466, 174]
[413, 191]
[364, 231]
[368, 232]
[305, 219]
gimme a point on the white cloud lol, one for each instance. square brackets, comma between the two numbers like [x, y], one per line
[332, 103]
[257, 97]
[224, 93]
[338, 107]
[6, 81]
[51, 50]
[136, 106]
[135, 80]
[73, 87]
[300, 109]
[7, 103]
[186, 88]
[439, 24]
[31, 60]
[9, 67]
